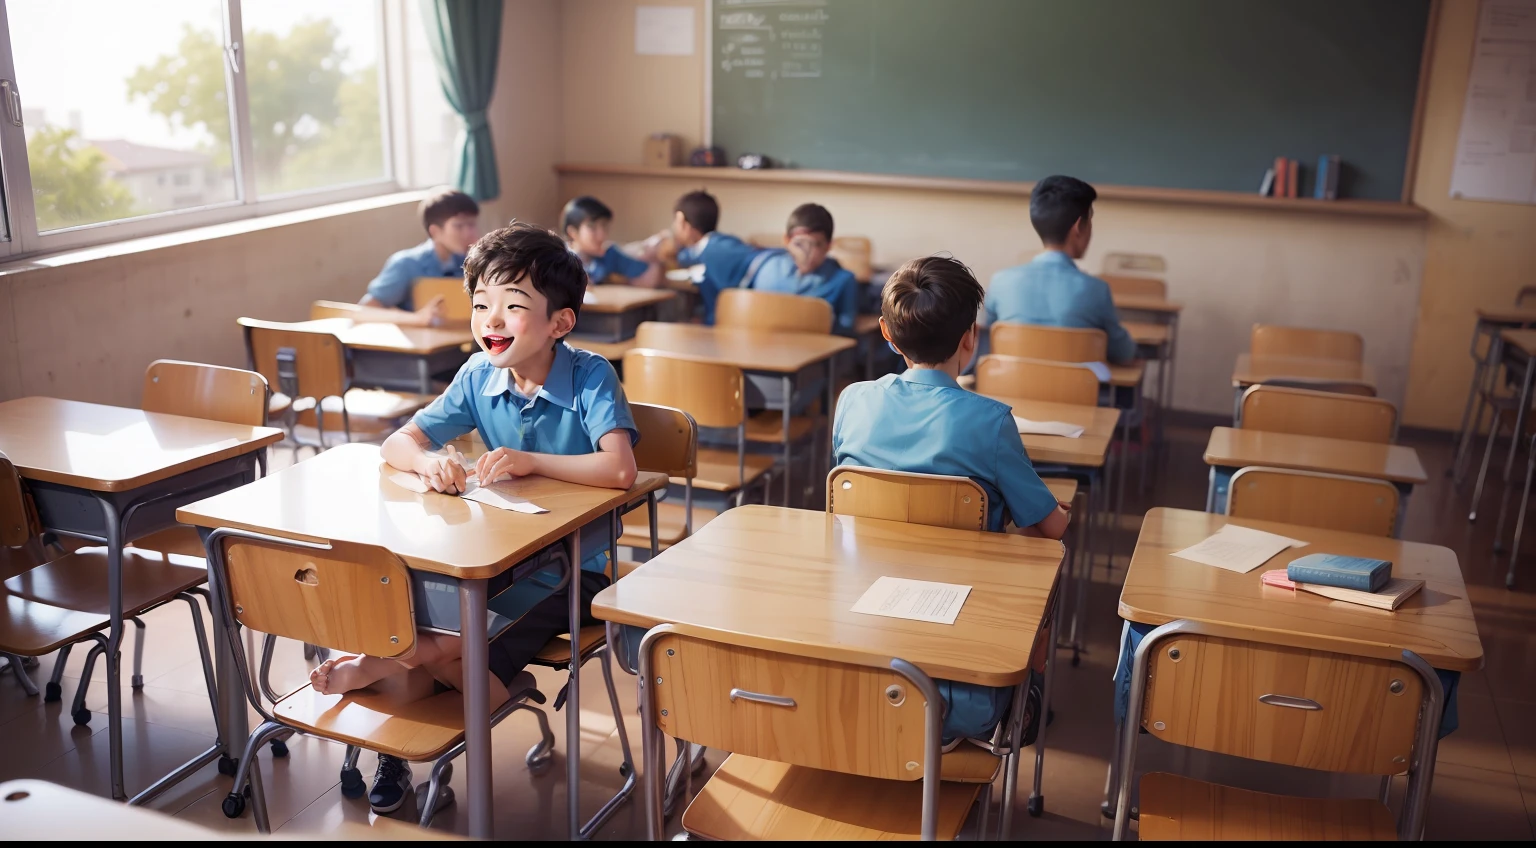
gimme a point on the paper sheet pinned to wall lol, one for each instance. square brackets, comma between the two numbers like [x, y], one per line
[664, 30]
[1496, 146]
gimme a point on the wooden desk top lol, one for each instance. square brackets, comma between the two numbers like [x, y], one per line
[1127, 375]
[1525, 340]
[1436, 623]
[779, 353]
[1515, 315]
[611, 351]
[787, 575]
[1252, 369]
[1146, 333]
[615, 299]
[1089, 449]
[1144, 303]
[863, 324]
[345, 494]
[113, 449]
[1233, 448]
[391, 338]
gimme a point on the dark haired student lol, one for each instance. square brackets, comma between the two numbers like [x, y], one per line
[804, 268]
[586, 221]
[451, 219]
[726, 262]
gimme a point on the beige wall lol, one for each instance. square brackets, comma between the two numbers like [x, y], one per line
[1476, 254]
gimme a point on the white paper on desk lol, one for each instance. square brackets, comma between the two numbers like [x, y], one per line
[491, 497]
[917, 600]
[1099, 370]
[1047, 428]
[1240, 549]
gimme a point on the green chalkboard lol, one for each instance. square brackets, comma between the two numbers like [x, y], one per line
[1200, 94]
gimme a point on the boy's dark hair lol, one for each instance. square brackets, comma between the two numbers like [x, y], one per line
[811, 216]
[1057, 203]
[700, 210]
[928, 305]
[581, 210]
[524, 251]
[437, 207]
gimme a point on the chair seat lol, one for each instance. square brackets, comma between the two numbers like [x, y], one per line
[14, 561]
[969, 763]
[1174, 807]
[718, 472]
[181, 539]
[32, 630]
[366, 408]
[1062, 489]
[670, 525]
[393, 722]
[769, 427]
[278, 404]
[627, 567]
[556, 652]
[748, 798]
[78, 581]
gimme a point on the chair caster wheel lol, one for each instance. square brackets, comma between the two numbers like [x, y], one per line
[352, 785]
[540, 756]
[1036, 806]
[52, 693]
[82, 716]
[228, 765]
[234, 805]
[625, 769]
[137, 681]
[279, 748]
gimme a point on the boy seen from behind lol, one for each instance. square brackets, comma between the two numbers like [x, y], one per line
[451, 219]
[804, 268]
[727, 261]
[1051, 290]
[585, 222]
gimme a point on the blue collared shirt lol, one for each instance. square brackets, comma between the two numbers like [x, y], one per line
[830, 282]
[1051, 290]
[580, 402]
[727, 262]
[392, 287]
[922, 421]
[613, 261]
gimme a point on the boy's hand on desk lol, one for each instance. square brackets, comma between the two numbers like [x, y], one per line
[503, 464]
[431, 315]
[444, 473]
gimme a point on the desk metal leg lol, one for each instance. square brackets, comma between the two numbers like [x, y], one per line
[423, 376]
[831, 404]
[477, 705]
[1482, 389]
[572, 694]
[1520, 411]
[1036, 797]
[1477, 382]
[787, 386]
[114, 534]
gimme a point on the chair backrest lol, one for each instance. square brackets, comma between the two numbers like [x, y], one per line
[939, 500]
[1128, 286]
[712, 392]
[231, 395]
[1308, 412]
[297, 361]
[1034, 379]
[456, 303]
[1274, 340]
[855, 253]
[348, 597]
[773, 311]
[1526, 293]
[1333, 387]
[1230, 696]
[669, 440]
[1056, 344]
[15, 523]
[1138, 264]
[1312, 499]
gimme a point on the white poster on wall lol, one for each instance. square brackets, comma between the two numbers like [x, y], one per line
[1496, 151]
[663, 30]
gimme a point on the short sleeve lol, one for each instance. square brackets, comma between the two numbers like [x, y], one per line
[392, 287]
[623, 264]
[989, 304]
[602, 404]
[689, 256]
[845, 302]
[452, 414]
[1027, 499]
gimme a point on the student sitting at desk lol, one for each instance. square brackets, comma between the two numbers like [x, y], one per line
[451, 219]
[542, 407]
[804, 268]
[728, 262]
[922, 421]
[1051, 289]
[586, 221]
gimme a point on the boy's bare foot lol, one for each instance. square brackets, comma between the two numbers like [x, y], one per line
[338, 675]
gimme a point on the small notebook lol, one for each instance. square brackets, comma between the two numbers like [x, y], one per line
[1047, 428]
[1347, 572]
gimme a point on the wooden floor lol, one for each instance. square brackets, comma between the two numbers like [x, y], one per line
[1484, 788]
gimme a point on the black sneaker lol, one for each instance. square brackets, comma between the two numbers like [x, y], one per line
[391, 785]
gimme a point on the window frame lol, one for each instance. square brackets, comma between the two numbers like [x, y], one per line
[16, 177]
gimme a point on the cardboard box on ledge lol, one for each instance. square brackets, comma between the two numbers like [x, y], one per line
[662, 150]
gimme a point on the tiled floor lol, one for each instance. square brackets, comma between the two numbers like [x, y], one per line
[1485, 782]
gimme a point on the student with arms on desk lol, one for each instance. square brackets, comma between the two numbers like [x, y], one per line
[586, 220]
[451, 219]
[922, 421]
[728, 261]
[542, 407]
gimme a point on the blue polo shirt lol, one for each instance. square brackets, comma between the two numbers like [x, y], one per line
[392, 287]
[613, 261]
[830, 282]
[727, 262]
[578, 404]
[1052, 291]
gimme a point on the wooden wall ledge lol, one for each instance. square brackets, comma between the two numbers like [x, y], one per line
[1181, 196]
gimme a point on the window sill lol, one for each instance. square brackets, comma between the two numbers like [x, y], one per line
[146, 244]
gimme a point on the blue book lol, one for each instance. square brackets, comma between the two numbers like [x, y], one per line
[1320, 181]
[1346, 572]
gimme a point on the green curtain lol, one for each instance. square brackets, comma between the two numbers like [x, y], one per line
[466, 37]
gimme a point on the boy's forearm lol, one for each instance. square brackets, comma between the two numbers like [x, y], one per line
[603, 469]
[403, 449]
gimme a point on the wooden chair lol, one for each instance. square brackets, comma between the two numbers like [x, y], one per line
[1313, 499]
[773, 312]
[938, 500]
[1305, 412]
[457, 306]
[856, 253]
[1336, 387]
[1034, 379]
[669, 444]
[313, 369]
[714, 395]
[1137, 264]
[1291, 706]
[1273, 340]
[820, 749]
[1056, 344]
[1121, 285]
[356, 599]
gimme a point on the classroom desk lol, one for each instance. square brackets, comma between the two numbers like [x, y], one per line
[787, 578]
[1515, 350]
[1146, 334]
[396, 357]
[1230, 449]
[1251, 370]
[345, 494]
[610, 313]
[108, 474]
[1490, 324]
[1157, 312]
